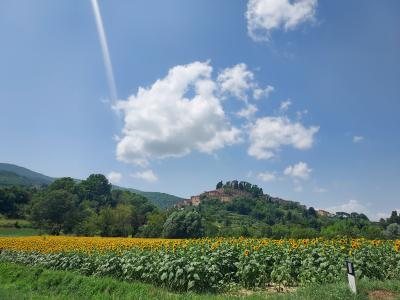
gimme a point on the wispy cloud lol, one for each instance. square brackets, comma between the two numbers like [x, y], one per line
[351, 206]
[358, 138]
[106, 52]
[320, 190]
[285, 105]
[266, 176]
[114, 177]
[247, 112]
[147, 175]
[258, 93]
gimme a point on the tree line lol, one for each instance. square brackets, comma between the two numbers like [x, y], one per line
[245, 186]
[91, 207]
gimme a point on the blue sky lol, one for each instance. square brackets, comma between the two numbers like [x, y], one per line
[325, 132]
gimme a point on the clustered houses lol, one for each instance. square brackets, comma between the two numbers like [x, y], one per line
[227, 194]
[324, 213]
[220, 194]
[193, 201]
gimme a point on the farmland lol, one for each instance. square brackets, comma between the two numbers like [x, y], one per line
[205, 265]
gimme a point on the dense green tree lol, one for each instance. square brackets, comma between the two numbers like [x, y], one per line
[142, 207]
[311, 212]
[372, 232]
[123, 214]
[392, 231]
[55, 211]
[280, 231]
[106, 220]
[299, 232]
[114, 221]
[183, 224]
[65, 183]
[241, 205]
[154, 225]
[210, 229]
[342, 214]
[235, 184]
[13, 201]
[89, 224]
[97, 189]
[341, 228]
[241, 185]
[394, 218]
[244, 231]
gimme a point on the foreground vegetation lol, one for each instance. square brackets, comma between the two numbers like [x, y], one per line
[205, 265]
[21, 282]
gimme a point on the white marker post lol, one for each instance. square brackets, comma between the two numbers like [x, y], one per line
[351, 276]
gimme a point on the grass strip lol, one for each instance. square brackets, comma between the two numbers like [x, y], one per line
[23, 282]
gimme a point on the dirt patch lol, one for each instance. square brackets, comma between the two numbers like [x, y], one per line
[382, 294]
[266, 290]
[243, 292]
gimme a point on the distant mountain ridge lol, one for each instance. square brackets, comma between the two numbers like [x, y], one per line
[11, 174]
[15, 175]
[162, 200]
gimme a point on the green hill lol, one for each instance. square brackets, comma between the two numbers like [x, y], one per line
[162, 200]
[246, 215]
[15, 175]
[9, 178]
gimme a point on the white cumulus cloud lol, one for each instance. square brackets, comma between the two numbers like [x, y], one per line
[248, 112]
[298, 171]
[147, 175]
[236, 81]
[264, 16]
[174, 116]
[351, 206]
[258, 93]
[183, 112]
[114, 177]
[268, 134]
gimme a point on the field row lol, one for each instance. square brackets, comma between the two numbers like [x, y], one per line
[209, 264]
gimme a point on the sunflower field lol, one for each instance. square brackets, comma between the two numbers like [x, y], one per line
[208, 264]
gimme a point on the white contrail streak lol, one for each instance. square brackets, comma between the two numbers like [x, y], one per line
[106, 53]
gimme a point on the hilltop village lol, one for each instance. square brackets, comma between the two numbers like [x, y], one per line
[232, 189]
